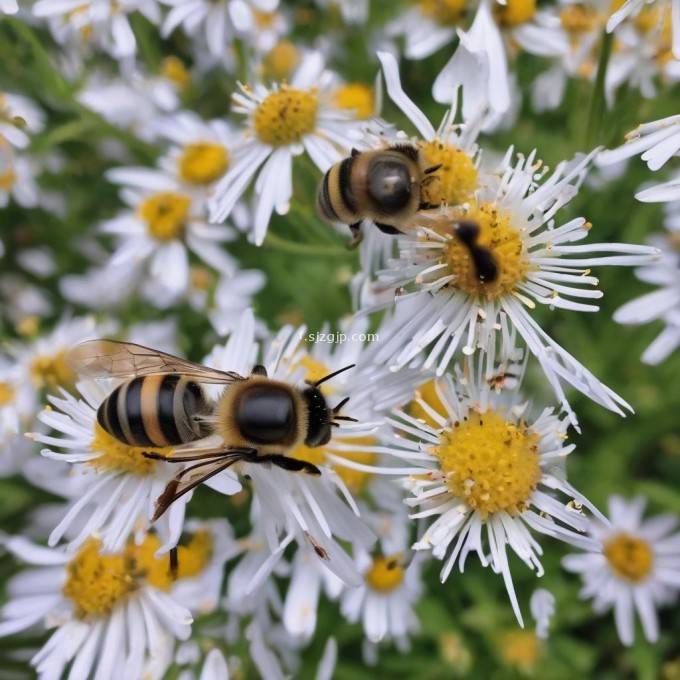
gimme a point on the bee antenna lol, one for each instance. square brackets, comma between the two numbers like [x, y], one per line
[336, 410]
[332, 375]
[340, 405]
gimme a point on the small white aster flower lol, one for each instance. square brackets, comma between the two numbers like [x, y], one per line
[488, 473]
[115, 615]
[17, 177]
[19, 118]
[104, 22]
[634, 570]
[512, 214]
[283, 122]
[163, 223]
[218, 23]
[663, 303]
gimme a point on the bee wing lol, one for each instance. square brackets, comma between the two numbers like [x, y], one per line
[112, 359]
[192, 476]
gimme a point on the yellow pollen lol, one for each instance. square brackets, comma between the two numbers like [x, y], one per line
[285, 115]
[28, 326]
[579, 19]
[264, 19]
[165, 214]
[7, 393]
[174, 70]
[356, 97]
[497, 237]
[95, 583]
[629, 557]
[490, 463]
[385, 574]
[515, 12]
[520, 649]
[281, 60]
[456, 179]
[7, 180]
[315, 371]
[203, 162]
[192, 559]
[445, 12]
[50, 372]
[118, 457]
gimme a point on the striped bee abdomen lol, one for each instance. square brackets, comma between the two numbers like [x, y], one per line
[154, 411]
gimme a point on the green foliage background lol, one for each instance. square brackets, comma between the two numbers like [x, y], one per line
[465, 621]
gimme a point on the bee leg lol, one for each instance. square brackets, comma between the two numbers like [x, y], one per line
[287, 463]
[358, 237]
[355, 153]
[428, 206]
[387, 229]
[432, 168]
[259, 369]
[174, 563]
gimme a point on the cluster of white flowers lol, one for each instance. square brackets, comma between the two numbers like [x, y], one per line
[449, 402]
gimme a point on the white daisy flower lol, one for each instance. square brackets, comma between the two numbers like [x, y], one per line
[655, 142]
[283, 122]
[116, 615]
[473, 287]
[488, 472]
[17, 177]
[163, 223]
[669, 10]
[635, 569]
[391, 587]
[19, 117]
[663, 303]
[218, 23]
[102, 22]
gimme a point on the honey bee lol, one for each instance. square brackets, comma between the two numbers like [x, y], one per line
[256, 419]
[383, 186]
[486, 268]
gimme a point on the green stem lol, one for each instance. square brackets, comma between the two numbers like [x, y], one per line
[597, 104]
[282, 245]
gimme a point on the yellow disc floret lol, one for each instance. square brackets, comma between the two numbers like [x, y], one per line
[114, 456]
[579, 19]
[7, 393]
[428, 394]
[280, 62]
[203, 162]
[455, 181]
[51, 371]
[7, 180]
[515, 12]
[497, 237]
[165, 214]
[95, 583]
[520, 649]
[174, 70]
[285, 115]
[446, 12]
[385, 575]
[490, 463]
[629, 557]
[355, 97]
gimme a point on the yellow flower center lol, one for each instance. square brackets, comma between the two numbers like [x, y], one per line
[118, 457]
[281, 60]
[497, 239]
[7, 393]
[428, 394]
[201, 278]
[50, 372]
[385, 574]
[315, 371]
[629, 557]
[165, 214]
[355, 97]
[7, 180]
[490, 463]
[285, 115]
[456, 179]
[520, 649]
[95, 583]
[515, 12]
[192, 559]
[203, 162]
[174, 70]
[445, 12]
[580, 19]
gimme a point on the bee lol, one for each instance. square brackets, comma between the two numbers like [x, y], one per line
[486, 268]
[383, 186]
[256, 419]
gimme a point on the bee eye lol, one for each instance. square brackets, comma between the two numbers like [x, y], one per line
[389, 184]
[265, 414]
